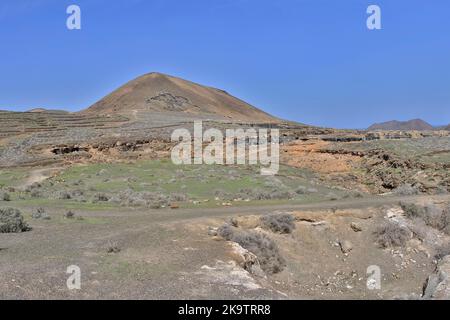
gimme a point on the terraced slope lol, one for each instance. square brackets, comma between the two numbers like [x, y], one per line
[19, 123]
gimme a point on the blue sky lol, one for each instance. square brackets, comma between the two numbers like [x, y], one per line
[312, 61]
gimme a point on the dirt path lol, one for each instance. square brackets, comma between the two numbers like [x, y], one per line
[187, 214]
[170, 215]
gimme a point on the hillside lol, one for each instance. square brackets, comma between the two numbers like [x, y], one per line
[416, 124]
[159, 93]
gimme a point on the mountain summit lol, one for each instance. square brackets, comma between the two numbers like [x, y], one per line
[160, 93]
[416, 124]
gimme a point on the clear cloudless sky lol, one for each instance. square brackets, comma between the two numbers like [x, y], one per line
[313, 61]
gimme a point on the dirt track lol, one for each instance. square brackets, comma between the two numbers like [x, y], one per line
[194, 213]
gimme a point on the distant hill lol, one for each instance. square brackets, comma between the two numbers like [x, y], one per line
[416, 124]
[160, 93]
[43, 110]
[36, 110]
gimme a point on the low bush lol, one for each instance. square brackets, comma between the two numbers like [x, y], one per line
[301, 190]
[11, 221]
[442, 251]
[40, 213]
[430, 214]
[131, 198]
[446, 219]
[411, 210]
[4, 196]
[36, 193]
[259, 194]
[256, 194]
[100, 197]
[78, 182]
[434, 217]
[392, 235]
[37, 214]
[63, 195]
[77, 193]
[113, 247]
[178, 197]
[35, 185]
[274, 182]
[281, 195]
[69, 215]
[419, 229]
[279, 223]
[406, 190]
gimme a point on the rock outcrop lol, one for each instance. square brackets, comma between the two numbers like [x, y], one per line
[438, 284]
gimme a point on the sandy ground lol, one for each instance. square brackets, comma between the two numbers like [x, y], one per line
[306, 154]
[40, 175]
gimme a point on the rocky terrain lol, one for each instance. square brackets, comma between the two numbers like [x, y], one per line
[377, 166]
[97, 189]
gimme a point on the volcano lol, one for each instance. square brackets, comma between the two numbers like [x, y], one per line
[160, 93]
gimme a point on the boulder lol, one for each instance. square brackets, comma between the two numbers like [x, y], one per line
[246, 260]
[438, 284]
[346, 246]
[356, 227]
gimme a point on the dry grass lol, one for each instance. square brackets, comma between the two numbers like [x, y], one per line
[430, 214]
[392, 235]
[442, 251]
[279, 223]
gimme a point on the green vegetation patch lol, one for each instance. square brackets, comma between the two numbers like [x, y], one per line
[160, 183]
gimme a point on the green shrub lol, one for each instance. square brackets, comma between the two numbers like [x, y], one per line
[11, 221]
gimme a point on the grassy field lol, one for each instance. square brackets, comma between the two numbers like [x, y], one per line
[141, 184]
[12, 177]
